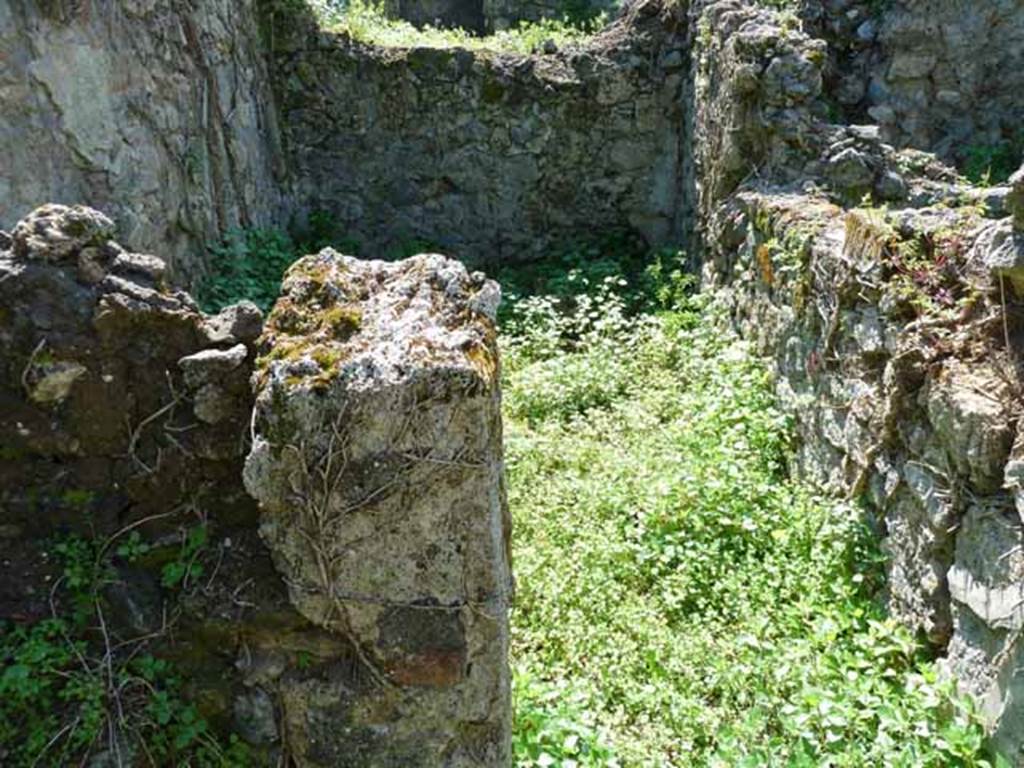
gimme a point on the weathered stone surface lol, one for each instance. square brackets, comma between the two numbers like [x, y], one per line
[490, 156]
[161, 114]
[55, 232]
[241, 322]
[118, 413]
[211, 364]
[1015, 199]
[1001, 249]
[99, 429]
[255, 717]
[969, 410]
[919, 68]
[377, 463]
[757, 84]
[894, 349]
[987, 586]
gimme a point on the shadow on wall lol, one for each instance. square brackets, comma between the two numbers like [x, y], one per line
[448, 14]
[491, 156]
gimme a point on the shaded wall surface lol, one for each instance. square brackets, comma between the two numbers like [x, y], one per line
[160, 113]
[484, 155]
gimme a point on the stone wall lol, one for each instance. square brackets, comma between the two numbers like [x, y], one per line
[488, 156]
[885, 291]
[940, 75]
[158, 112]
[377, 462]
[896, 324]
[896, 339]
[126, 412]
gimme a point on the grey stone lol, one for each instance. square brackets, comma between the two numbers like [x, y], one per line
[50, 382]
[210, 365]
[212, 404]
[968, 410]
[241, 322]
[254, 717]
[377, 466]
[996, 201]
[891, 186]
[910, 66]
[92, 265]
[136, 601]
[883, 114]
[850, 171]
[851, 90]
[1015, 199]
[988, 576]
[140, 266]
[867, 31]
[57, 232]
[1000, 248]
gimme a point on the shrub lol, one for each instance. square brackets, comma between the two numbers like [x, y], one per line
[367, 22]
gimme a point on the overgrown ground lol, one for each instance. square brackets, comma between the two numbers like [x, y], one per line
[366, 21]
[681, 601]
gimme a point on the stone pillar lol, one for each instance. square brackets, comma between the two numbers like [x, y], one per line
[377, 463]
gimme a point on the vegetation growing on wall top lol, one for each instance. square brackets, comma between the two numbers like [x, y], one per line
[367, 22]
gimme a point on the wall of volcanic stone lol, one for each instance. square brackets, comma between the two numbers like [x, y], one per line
[488, 156]
[941, 75]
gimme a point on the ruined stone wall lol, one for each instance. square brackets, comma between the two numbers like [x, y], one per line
[172, 127]
[358, 615]
[377, 462]
[896, 333]
[940, 75]
[885, 292]
[896, 338]
[158, 112]
[488, 156]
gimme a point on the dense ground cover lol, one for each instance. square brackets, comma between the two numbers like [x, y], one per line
[681, 601]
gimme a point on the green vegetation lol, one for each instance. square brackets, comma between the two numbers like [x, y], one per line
[71, 690]
[989, 164]
[368, 23]
[681, 601]
[249, 263]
